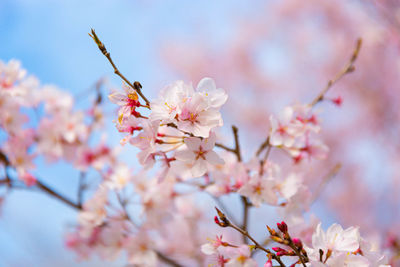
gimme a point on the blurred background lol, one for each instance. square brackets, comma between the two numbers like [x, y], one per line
[266, 54]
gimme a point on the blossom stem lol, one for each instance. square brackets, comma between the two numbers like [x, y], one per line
[136, 85]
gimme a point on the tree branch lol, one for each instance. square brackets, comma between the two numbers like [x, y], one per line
[136, 85]
[348, 68]
[56, 195]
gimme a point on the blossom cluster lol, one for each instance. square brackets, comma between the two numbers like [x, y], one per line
[294, 130]
[152, 215]
[180, 131]
[40, 121]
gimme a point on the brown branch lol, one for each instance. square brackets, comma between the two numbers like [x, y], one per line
[263, 146]
[44, 188]
[168, 260]
[262, 162]
[348, 68]
[225, 147]
[81, 187]
[245, 222]
[136, 85]
[237, 145]
[56, 195]
[40, 185]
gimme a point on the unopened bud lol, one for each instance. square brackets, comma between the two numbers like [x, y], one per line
[280, 251]
[337, 101]
[282, 227]
[272, 232]
[297, 242]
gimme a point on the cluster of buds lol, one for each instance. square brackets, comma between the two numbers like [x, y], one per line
[293, 246]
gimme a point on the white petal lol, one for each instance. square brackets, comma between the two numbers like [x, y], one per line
[117, 98]
[213, 158]
[199, 168]
[185, 156]
[193, 143]
[206, 84]
[209, 143]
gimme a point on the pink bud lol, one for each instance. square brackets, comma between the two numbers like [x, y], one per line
[280, 251]
[297, 242]
[216, 220]
[337, 101]
[282, 227]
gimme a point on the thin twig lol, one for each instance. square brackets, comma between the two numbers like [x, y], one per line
[263, 146]
[348, 68]
[225, 147]
[245, 222]
[237, 145]
[136, 85]
[331, 174]
[81, 187]
[40, 185]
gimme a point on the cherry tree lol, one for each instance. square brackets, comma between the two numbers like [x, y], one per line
[171, 211]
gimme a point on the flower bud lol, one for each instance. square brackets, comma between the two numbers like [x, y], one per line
[297, 242]
[282, 227]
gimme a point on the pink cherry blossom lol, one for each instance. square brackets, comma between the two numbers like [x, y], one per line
[200, 154]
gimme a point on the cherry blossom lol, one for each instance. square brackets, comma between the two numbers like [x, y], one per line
[199, 154]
